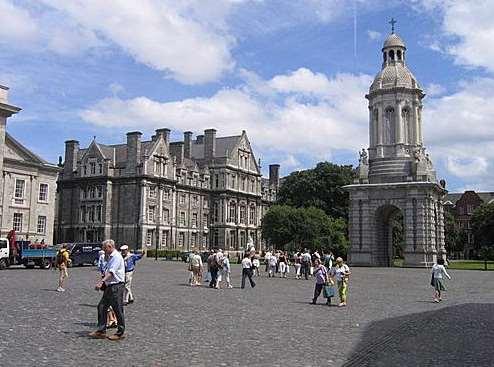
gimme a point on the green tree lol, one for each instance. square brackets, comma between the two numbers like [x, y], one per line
[319, 187]
[483, 226]
[289, 228]
[454, 237]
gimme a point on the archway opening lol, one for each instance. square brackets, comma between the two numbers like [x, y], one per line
[390, 236]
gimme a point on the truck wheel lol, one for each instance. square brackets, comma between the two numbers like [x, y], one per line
[45, 264]
[3, 264]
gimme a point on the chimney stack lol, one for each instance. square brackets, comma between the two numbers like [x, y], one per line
[274, 175]
[165, 133]
[71, 152]
[200, 139]
[188, 144]
[209, 143]
[133, 151]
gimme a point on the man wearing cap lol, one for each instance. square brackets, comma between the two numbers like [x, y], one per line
[130, 260]
[112, 285]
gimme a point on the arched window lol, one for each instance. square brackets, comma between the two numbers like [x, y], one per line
[385, 56]
[232, 217]
[398, 55]
[391, 55]
[388, 126]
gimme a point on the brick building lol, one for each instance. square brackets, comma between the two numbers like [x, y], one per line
[183, 195]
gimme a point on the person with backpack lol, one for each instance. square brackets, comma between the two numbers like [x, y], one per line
[213, 269]
[62, 262]
[305, 262]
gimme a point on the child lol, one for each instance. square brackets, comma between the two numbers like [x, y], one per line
[256, 264]
[438, 270]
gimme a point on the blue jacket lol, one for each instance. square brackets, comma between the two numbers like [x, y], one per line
[130, 261]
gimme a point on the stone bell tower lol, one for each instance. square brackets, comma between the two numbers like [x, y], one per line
[396, 178]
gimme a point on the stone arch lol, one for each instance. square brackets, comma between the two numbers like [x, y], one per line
[386, 218]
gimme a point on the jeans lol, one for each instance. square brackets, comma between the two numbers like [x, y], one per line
[305, 270]
[247, 273]
[214, 276]
[317, 291]
[112, 296]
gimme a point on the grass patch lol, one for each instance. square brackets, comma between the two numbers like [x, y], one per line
[470, 265]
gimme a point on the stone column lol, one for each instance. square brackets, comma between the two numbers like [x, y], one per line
[371, 128]
[379, 128]
[399, 130]
[419, 125]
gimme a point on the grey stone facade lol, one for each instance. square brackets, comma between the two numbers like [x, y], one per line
[28, 185]
[190, 194]
[396, 175]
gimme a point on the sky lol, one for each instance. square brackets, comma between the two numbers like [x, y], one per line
[293, 74]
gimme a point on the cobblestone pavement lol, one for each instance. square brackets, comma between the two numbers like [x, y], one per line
[390, 321]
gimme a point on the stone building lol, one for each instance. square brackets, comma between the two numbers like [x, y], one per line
[28, 185]
[396, 178]
[462, 206]
[191, 194]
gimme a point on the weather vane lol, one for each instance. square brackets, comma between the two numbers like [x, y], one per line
[392, 22]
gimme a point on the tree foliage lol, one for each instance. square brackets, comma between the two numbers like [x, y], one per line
[290, 228]
[319, 187]
[483, 227]
[454, 237]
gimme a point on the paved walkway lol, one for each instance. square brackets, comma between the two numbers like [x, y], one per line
[390, 321]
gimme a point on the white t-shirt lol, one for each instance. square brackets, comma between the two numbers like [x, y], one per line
[246, 263]
[439, 270]
[273, 260]
[339, 272]
[256, 263]
[196, 260]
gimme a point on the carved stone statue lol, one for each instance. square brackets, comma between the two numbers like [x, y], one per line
[364, 159]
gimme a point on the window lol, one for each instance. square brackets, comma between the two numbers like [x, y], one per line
[217, 180]
[242, 239]
[92, 167]
[92, 192]
[181, 239]
[99, 212]
[149, 237]
[43, 192]
[216, 212]
[165, 215]
[193, 239]
[206, 203]
[166, 194]
[182, 219]
[232, 212]
[19, 189]
[17, 223]
[164, 238]
[205, 240]
[151, 213]
[182, 199]
[233, 238]
[252, 214]
[83, 214]
[99, 191]
[91, 213]
[195, 200]
[194, 219]
[152, 191]
[216, 236]
[244, 183]
[41, 225]
[205, 220]
[233, 181]
[85, 170]
[243, 214]
[100, 168]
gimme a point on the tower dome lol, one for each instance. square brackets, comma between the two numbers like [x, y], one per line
[393, 40]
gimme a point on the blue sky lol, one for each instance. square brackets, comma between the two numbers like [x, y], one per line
[293, 74]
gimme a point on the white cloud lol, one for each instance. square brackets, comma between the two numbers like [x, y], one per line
[468, 167]
[16, 24]
[434, 90]
[278, 122]
[468, 28]
[374, 35]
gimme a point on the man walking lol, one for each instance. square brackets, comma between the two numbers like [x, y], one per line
[112, 285]
[247, 271]
[130, 263]
[306, 263]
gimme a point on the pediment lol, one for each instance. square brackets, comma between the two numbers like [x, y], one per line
[93, 152]
[16, 151]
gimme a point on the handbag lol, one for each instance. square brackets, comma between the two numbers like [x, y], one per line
[432, 280]
[328, 291]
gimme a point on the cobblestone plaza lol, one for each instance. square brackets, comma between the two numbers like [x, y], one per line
[390, 321]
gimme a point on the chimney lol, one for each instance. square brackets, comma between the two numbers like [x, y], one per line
[209, 143]
[133, 151]
[274, 175]
[200, 139]
[164, 133]
[71, 152]
[188, 144]
[177, 151]
[4, 94]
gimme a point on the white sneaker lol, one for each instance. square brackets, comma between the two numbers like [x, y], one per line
[60, 289]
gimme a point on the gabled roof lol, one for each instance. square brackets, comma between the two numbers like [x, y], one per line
[486, 197]
[22, 154]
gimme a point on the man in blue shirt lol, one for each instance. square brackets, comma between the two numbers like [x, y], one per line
[112, 285]
[130, 263]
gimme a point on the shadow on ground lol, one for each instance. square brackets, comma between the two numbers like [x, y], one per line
[458, 335]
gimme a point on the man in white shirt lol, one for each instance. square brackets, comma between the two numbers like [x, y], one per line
[247, 271]
[113, 285]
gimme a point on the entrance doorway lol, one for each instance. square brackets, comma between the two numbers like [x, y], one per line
[390, 231]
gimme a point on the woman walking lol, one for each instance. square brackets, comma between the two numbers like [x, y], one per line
[438, 271]
[341, 273]
[226, 270]
[296, 263]
[322, 278]
[283, 265]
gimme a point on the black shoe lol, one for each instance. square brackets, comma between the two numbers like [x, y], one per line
[130, 301]
[313, 303]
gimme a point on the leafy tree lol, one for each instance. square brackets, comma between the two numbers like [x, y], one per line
[289, 228]
[320, 187]
[454, 237]
[483, 226]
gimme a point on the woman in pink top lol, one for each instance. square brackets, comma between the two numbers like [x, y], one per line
[321, 276]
